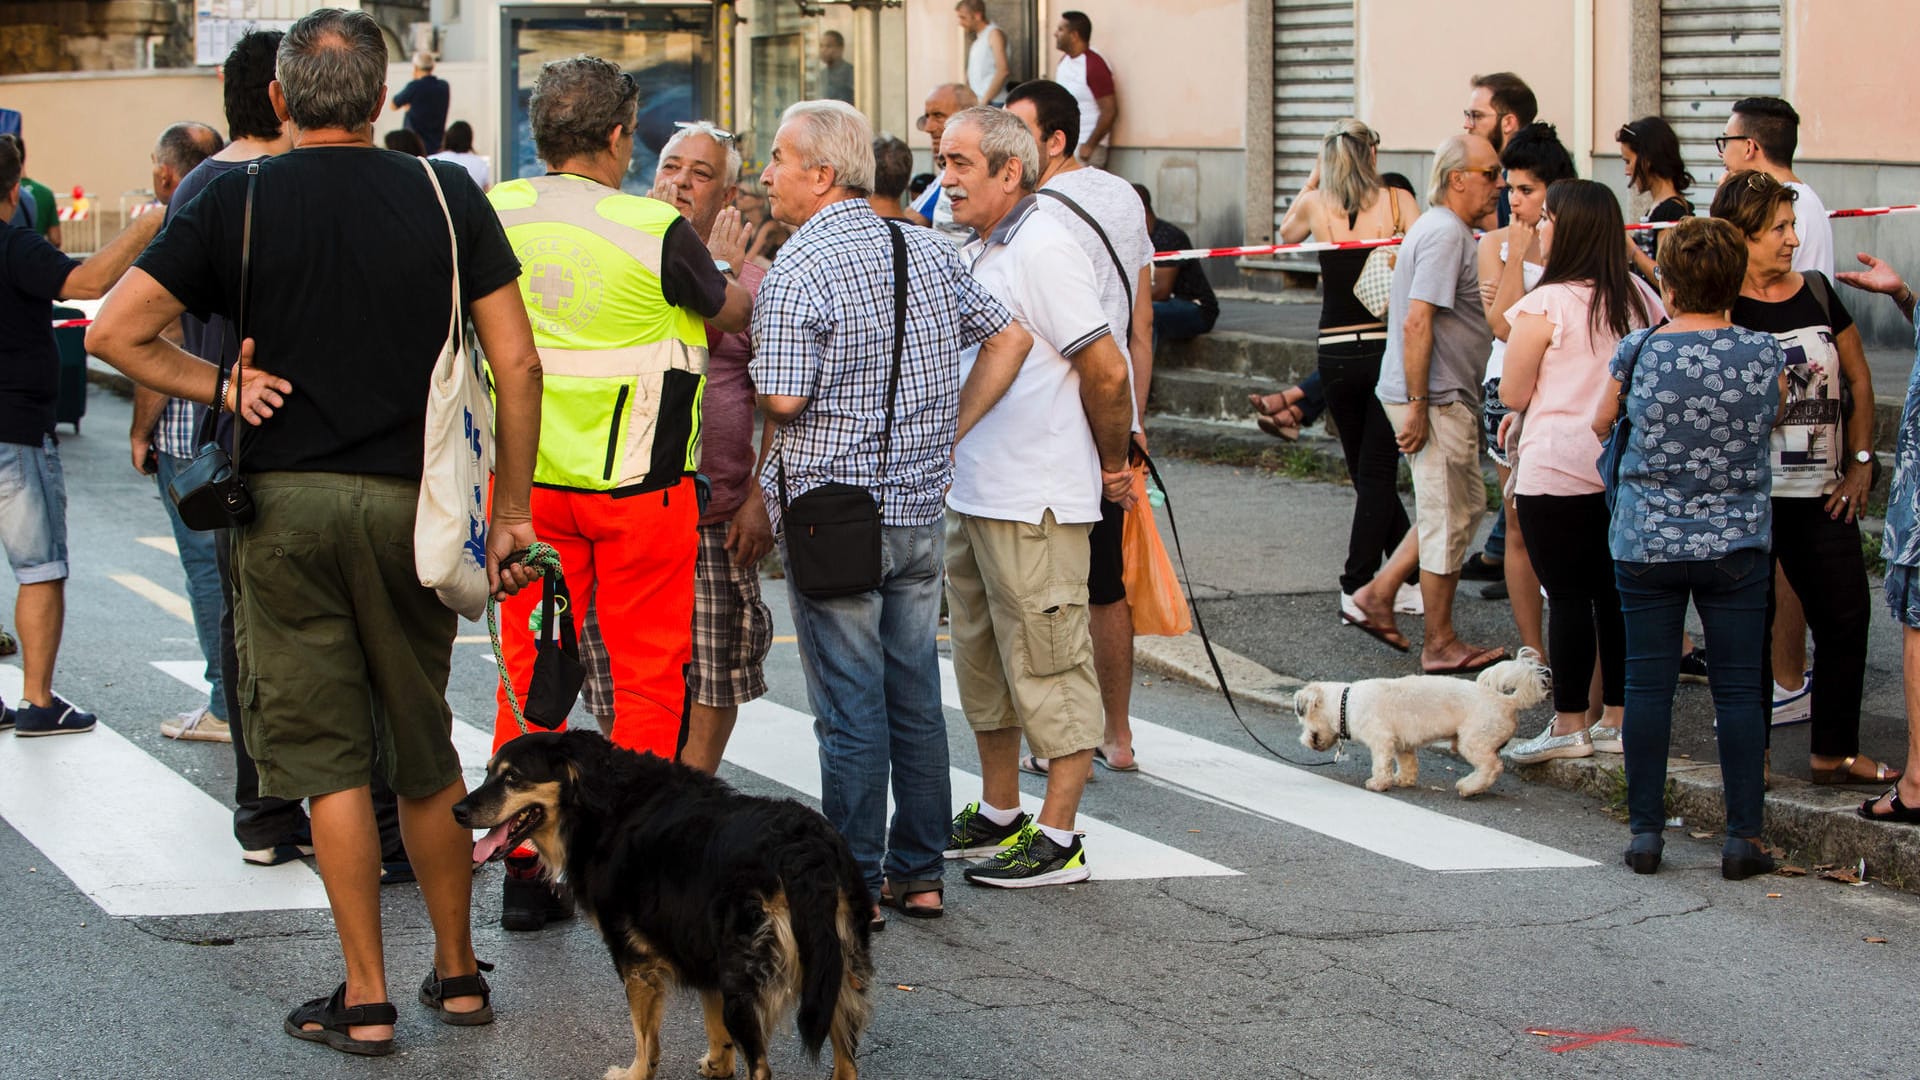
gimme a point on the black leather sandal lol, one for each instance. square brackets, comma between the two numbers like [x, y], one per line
[894, 894]
[334, 1017]
[435, 991]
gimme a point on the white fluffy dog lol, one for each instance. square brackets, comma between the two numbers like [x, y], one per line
[1395, 717]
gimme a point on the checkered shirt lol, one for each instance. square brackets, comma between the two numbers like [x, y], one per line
[178, 428]
[823, 330]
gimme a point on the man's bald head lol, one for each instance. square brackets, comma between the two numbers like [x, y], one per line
[945, 101]
[181, 147]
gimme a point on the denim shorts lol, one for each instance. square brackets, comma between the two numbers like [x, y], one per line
[1903, 594]
[33, 511]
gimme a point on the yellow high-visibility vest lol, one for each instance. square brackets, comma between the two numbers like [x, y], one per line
[624, 369]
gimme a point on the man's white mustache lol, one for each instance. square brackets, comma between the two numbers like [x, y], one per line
[954, 191]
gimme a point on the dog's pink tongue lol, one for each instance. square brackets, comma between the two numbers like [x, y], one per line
[489, 845]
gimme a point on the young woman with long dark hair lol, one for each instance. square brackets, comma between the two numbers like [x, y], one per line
[1564, 333]
[1650, 153]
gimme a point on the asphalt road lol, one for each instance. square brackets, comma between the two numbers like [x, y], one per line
[1296, 954]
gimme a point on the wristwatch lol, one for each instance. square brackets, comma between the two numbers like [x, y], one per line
[1864, 457]
[723, 266]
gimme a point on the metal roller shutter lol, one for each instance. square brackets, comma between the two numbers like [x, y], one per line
[1312, 86]
[1712, 54]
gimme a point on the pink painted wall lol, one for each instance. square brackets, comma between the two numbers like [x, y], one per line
[1848, 70]
[1415, 59]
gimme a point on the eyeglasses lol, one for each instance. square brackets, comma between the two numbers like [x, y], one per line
[1720, 141]
[1474, 116]
[1490, 173]
[704, 128]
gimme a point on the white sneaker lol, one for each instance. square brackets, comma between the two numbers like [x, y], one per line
[1408, 601]
[1793, 706]
[197, 725]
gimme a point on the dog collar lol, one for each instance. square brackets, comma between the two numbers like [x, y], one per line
[1344, 734]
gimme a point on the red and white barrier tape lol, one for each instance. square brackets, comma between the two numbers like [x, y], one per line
[1311, 247]
[70, 324]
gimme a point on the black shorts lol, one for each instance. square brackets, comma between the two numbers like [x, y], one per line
[1104, 582]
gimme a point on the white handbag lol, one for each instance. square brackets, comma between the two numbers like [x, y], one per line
[1374, 287]
[450, 526]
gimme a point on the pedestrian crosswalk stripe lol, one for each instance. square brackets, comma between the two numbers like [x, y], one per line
[160, 543]
[778, 743]
[130, 832]
[166, 599]
[1380, 823]
[474, 746]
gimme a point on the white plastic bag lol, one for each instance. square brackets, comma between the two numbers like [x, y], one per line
[450, 526]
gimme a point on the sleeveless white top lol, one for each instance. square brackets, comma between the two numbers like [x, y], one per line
[980, 66]
[1530, 275]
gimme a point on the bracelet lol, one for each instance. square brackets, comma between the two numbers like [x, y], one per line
[1411, 398]
[1905, 296]
[220, 396]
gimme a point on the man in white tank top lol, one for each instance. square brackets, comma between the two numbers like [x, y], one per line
[987, 58]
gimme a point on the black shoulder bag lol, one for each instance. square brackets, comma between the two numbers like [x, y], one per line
[1614, 449]
[210, 493]
[833, 532]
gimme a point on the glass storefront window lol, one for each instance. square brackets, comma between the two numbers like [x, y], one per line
[669, 51]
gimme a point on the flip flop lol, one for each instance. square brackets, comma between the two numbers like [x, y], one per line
[1038, 766]
[1100, 759]
[1897, 812]
[1480, 661]
[1259, 402]
[1379, 633]
[1284, 432]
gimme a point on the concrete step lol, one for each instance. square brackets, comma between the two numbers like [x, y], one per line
[1209, 395]
[1283, 360]
[1316, 456]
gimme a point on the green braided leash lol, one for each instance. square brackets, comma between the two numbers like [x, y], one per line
[542, 560]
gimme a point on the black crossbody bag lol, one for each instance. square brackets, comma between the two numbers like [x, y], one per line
[833, 532]
[210, 493]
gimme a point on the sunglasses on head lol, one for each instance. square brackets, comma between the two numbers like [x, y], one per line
[721, 134]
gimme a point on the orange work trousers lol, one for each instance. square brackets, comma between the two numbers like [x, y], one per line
[633, 557]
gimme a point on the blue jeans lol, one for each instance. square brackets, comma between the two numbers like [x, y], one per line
[204, 593]
[872, 664]
[1731, 594]
[1179, 320]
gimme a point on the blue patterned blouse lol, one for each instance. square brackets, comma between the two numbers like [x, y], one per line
[1694, 480]
[1900, 544]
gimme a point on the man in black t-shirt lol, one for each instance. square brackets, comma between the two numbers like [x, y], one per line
[342, 651]
[33, 502]
[1184, 306]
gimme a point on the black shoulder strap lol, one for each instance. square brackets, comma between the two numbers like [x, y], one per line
[893, 375]
[1822, 294]
[1119, 268]
[210, 423]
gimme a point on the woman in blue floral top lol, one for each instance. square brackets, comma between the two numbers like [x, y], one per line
[1693, 519]
[1901, 548]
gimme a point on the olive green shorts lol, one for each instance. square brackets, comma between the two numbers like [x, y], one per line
[343, 654]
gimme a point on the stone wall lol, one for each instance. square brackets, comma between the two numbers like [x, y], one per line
[94, 35]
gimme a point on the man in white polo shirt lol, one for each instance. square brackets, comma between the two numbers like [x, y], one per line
[1038, 444]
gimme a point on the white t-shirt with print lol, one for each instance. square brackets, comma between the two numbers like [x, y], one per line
[1034, 451]
[1116, 206]
[1815, 230]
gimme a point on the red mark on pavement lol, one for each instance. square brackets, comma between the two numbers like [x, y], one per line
[1582, 1039]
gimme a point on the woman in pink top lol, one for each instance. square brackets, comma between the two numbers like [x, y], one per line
[1564, 333]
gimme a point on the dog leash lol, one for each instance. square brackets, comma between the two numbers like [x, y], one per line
[1200, 624]
[542, 560]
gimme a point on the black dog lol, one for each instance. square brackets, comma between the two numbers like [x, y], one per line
[755, 903]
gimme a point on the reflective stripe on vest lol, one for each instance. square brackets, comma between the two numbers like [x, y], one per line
[623, 370]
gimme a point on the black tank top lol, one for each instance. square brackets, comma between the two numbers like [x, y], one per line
[1339, 270]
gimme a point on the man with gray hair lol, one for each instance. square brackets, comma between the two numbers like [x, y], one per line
[1040, 443]
[426, 101]
[344, 655]
[621, 291]
[1430, 379]
[824, 335]
[164, 438]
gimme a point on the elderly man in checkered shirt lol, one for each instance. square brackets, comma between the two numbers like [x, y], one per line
[823, 343]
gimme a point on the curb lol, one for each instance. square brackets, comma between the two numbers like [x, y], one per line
[1813, 824]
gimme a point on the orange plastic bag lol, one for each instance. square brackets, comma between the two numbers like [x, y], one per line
[1153, 590]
